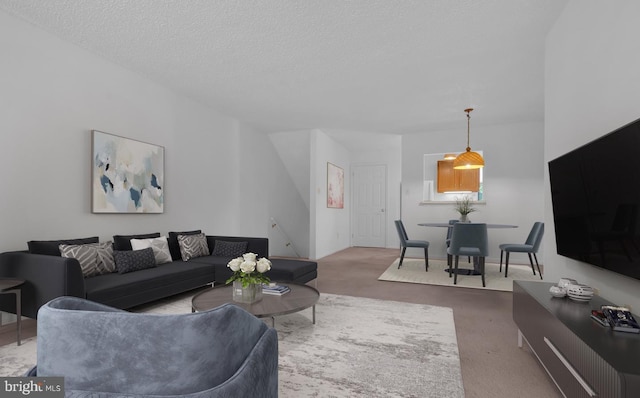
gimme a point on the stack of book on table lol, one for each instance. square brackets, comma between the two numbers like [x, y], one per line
[276, 290]
[598, 316]
[620, 319]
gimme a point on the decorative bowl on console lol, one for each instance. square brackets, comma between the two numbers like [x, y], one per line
[579, 292]
[564, 282]
[557, 291]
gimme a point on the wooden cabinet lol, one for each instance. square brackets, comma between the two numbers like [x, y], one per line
[583, 358]
[450, 179]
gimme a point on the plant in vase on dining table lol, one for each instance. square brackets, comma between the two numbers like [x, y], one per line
[464, 206]
[248, 277]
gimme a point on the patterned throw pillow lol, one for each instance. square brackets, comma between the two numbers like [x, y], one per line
[94, 258]
[134, 260]
[192, 246]
[174, 246]
[159, 245]
[229, 249]
[106, 262]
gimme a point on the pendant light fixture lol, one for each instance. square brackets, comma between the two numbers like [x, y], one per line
[468, 159]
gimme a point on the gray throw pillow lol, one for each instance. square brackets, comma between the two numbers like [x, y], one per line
[106, 262]
[134, 260]
[159, 245]
[174, 246]
[94, 258]
[192, 246]
[224, 248]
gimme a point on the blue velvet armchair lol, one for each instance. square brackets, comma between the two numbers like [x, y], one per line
[107, 352]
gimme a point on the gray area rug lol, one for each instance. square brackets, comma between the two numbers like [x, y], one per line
[412, 271]
[358, 348]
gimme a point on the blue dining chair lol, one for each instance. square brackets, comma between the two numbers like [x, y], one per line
[530, 246]
[406, 242]
[447, 241]
[469, 239]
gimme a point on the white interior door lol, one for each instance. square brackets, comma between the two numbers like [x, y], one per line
[369, 205]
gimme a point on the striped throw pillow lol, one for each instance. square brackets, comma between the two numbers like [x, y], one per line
[94, 258]
[192, 246]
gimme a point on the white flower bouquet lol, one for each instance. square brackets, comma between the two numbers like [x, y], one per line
[249, 269]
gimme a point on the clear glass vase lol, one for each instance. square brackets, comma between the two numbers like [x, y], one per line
[249, 294]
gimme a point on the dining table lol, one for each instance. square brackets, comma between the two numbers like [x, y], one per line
[466, 271]
[447, 225]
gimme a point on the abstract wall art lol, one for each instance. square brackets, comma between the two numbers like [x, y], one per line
[128, 175]
[335, 186]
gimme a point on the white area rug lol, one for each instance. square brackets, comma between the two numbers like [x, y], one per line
[412, 271]
[358, 348]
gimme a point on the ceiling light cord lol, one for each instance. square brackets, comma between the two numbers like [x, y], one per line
[468, 159]
[468, 128]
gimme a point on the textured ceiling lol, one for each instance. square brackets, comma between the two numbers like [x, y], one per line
[392, 66]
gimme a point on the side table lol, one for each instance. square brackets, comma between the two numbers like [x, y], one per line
[12, 286]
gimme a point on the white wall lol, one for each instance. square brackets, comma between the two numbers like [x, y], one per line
[294, 147]
[592, 87]
[266, 188]
[330, 228]
[513, 183]
[296, 152]
[219, 174]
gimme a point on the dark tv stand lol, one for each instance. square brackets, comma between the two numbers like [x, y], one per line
[583, 358]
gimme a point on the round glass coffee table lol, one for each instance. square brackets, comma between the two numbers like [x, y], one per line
[299, 298]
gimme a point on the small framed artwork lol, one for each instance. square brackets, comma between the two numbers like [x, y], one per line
[127, 175]
[335, 186]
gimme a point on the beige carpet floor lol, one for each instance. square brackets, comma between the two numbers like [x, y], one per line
[492, 364]
[412, 271]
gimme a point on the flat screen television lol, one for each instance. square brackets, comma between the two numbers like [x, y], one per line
[595, 193]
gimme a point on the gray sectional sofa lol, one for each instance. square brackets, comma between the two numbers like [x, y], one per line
[48, 275]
